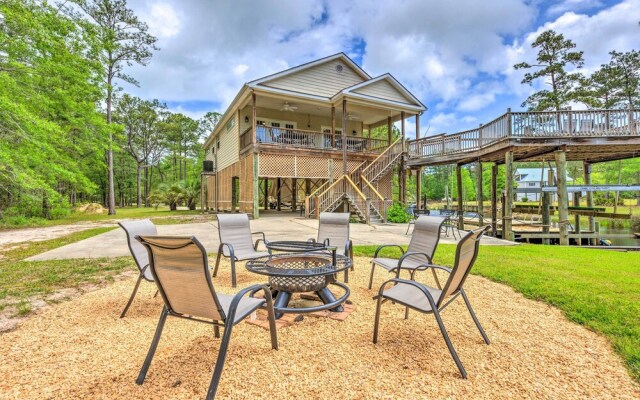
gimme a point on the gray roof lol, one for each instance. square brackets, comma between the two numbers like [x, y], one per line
[533, 174]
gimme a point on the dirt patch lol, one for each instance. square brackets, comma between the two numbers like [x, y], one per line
[535, 352]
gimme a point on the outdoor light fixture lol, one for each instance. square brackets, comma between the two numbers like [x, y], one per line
[246, 119]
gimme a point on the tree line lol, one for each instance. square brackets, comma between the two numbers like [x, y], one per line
[68, 132]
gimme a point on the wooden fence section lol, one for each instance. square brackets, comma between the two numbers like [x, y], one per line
[526, 126]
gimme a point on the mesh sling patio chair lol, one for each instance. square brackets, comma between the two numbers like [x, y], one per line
[424, 240]
[236, 241]
[333, 230]
[139, 253]
[180, 268]
[430, 300]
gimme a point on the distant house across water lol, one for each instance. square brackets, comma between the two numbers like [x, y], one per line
[529, 183]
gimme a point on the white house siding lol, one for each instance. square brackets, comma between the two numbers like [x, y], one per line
[229, 151]
[320, 80]
[383, 90]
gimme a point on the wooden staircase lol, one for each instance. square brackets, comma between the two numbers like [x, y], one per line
[357, 189]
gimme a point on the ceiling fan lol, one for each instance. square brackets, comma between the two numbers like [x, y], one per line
[353, 116]
[288, 107]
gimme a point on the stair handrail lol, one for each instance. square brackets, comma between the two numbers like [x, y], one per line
[355, 187]
[331, 186]
[318, 189]
[367, 183]
[384, 153]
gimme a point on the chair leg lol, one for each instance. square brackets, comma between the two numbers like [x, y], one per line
[475, 318]
[222, 355]
[215, 270]
[346, 275]
[233, 272]
[449, 345]
[373, 267]
[154, 346]
[135, 290]
[412, 277]
[435, 276]
[216, 331]
[271, 315]
[376, 321]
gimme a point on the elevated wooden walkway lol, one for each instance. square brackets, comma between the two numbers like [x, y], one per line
[591, 136]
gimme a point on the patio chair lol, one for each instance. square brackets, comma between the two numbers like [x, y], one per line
[333, 230]
[139, 253]
[415, 214]
[424, 240]
[180, 268]
[427, 299]
[236, 242]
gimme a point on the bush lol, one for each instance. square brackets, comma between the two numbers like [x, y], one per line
[525, 199]
[397, 214]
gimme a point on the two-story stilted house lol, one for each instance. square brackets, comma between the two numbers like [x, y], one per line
[303, 138]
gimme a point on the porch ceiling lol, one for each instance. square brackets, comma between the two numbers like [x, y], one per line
[358, 112]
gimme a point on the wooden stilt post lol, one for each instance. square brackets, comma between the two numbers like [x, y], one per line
[294, 194]
[479, 196]
[546, 208]
[389, 131]
[279, 193]
[266, 193]
[507, 213]
[255, 208]
[403, 174]
[460, 203]
[576, 224]
[587, 181]
[563, 199]
[494, 200]
[419, 206]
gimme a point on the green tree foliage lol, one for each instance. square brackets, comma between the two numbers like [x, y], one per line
[627, 71]
[598, 90]
[555, 55]
[49, 127]
[122, 40]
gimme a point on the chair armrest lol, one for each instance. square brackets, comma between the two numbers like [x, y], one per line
[427, 266]
[238, 296]
[348, 249]
[232, 254]
[408, 254]
[264, 239]
[387, 245]
[395, 281]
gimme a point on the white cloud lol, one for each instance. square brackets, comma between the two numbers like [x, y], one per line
[163, 20]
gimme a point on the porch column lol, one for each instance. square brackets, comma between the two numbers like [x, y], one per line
[344, 136]
[403, 174]
[333, 127]
[587, 181]
[479, 197]
[419, 174]
[460, 204]
[563, 200]
[294, 194]
[507, 212]
[256, 170]
[546, 208]
[494, 200]
[266, 193]
[279, 193]
[389, 131]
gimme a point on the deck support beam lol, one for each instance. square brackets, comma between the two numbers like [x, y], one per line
[546, 207]
[266, 193]
[479, 197]
[460, 204]
[294, 194]
[403, 171]
[563, 200]
[587, 181]
[494, 200]
[507, 211]
[419, 171]
[255, 208]
[279, 193]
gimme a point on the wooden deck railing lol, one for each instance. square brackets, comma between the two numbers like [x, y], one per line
[311, 140]
[534, 124]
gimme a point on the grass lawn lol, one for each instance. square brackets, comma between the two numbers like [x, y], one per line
[21, 280]
[599, 289]
[127, 212]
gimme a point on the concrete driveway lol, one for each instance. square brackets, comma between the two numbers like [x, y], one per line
[276, 226]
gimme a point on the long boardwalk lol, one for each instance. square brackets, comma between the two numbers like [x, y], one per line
[590, 136]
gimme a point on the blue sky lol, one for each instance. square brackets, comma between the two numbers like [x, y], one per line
[456, 56]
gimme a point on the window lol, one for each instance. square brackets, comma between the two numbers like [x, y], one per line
[533, 184]
[231, 123]
[218, 142]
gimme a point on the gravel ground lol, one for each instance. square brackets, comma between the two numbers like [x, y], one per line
[81, 349]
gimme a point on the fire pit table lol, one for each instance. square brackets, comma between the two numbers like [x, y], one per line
[305, 271]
